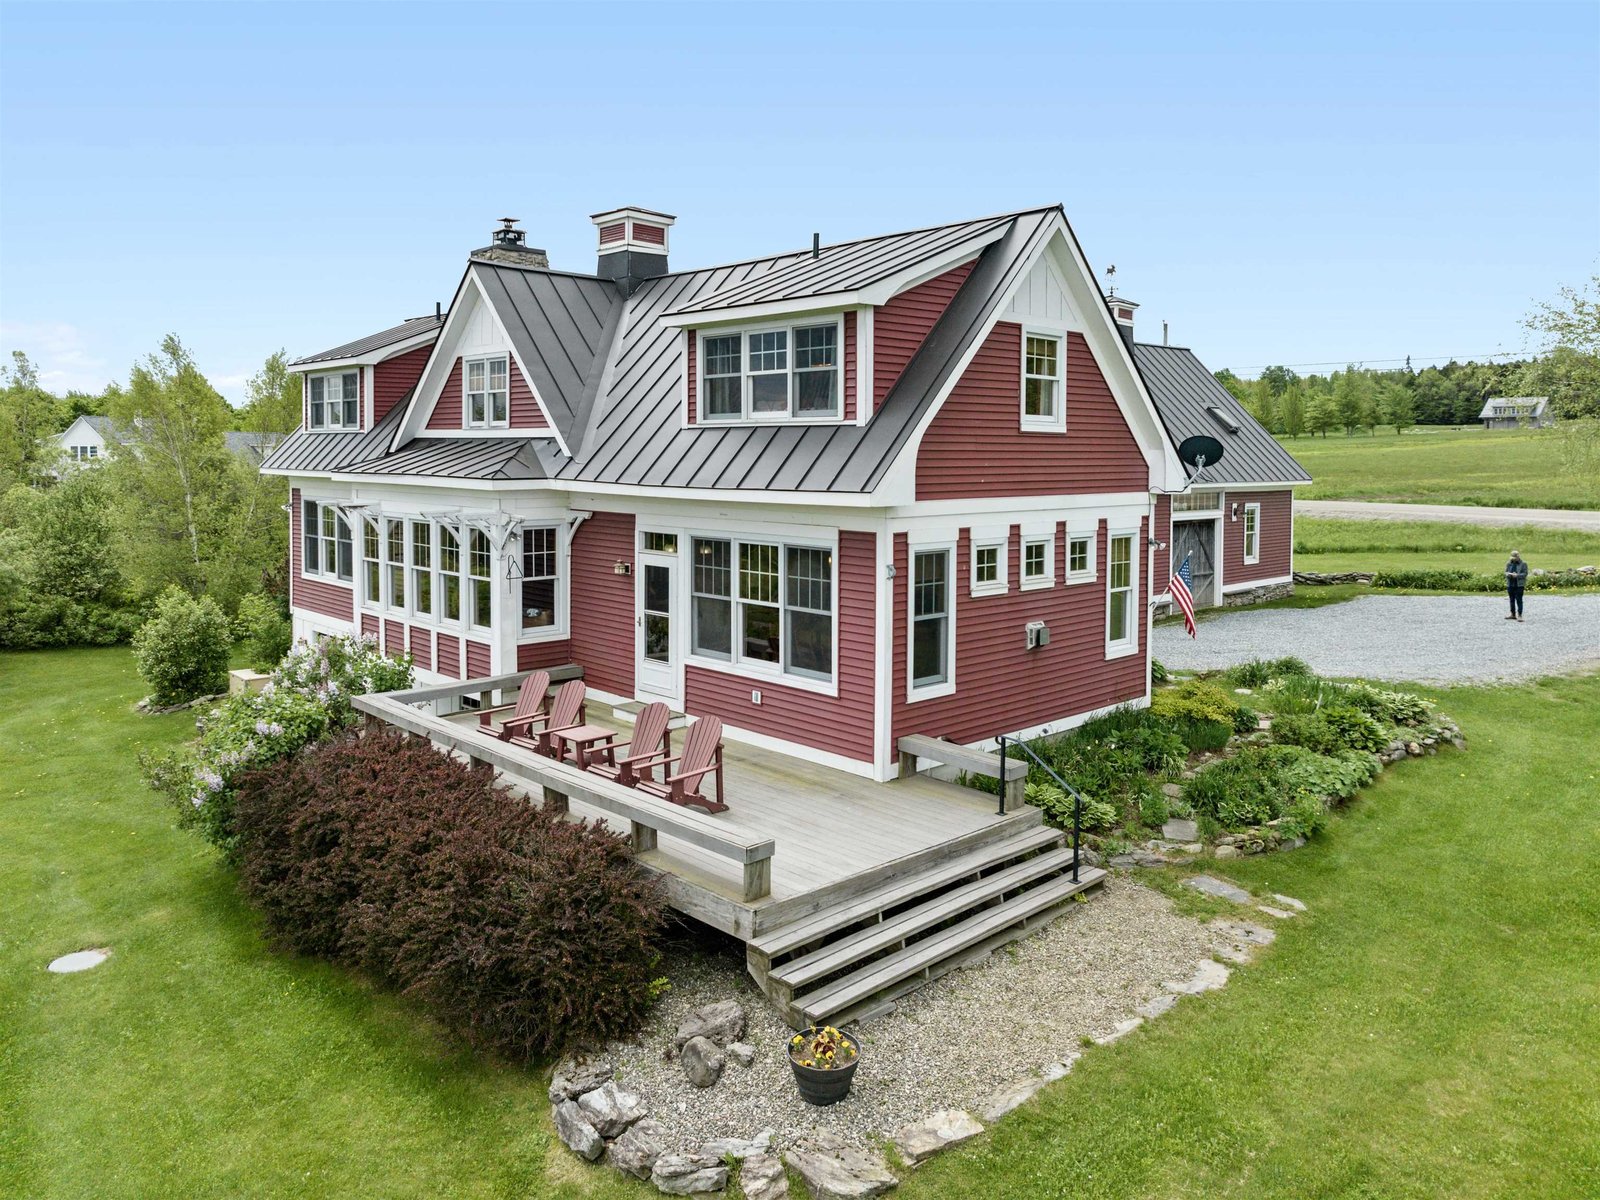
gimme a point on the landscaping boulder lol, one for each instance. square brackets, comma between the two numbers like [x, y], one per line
[722, 1022]
[577, 1074]
[688, 1174]
[702, 1061]
[1207, 977]
[739, 1147]
[610, 1109]
[742, 1053]
[833, 1169]
[1226, 852]
[636, 1151]
[1212, 886]
[578, 1135]
[923, 1139]
[762, 1177]
[1180, 830]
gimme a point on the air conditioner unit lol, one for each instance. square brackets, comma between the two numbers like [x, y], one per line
[1038, 634]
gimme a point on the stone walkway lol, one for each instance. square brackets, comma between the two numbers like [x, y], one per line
[1422, 639]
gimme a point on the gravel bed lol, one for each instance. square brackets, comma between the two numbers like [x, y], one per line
[1424, 639]
[940, 1047]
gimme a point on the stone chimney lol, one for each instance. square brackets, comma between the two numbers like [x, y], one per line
[633, 245]
[508, 244]
[1122, 312]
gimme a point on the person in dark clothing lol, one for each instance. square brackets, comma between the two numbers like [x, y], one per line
[1516, 580]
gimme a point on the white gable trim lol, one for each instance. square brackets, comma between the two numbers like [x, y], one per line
[441, 363]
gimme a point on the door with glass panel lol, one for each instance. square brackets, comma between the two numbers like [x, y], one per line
[656, 673]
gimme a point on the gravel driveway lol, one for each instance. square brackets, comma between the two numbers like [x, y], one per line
[1425, 639]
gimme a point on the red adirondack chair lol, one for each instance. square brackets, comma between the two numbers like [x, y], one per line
[566, 711]
[652, 740]
[529, 706]
[702, 756]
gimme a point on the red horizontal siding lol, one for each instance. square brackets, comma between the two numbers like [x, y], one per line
[369, 625]
[532, 656]
[480, 662]
[422, 647]
[313, 595]
[1002, 686]
[525, 410]
[396, 376]
[842, 725]
[446, 412]
[602, 602]
[900, 326]
[449, 658]
[693, 379]
[394, 638]
[1163, 534]
[850, 366]
[1277, 543]
[975, 448]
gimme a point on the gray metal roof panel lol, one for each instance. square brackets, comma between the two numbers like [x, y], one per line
[1183, 390]
[318, 452]
[376, 341]
[459, 458]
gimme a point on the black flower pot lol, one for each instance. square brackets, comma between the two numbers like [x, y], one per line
[822, 1087]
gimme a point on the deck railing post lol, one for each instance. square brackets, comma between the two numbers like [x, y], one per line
[555, 801]
[1004, 783]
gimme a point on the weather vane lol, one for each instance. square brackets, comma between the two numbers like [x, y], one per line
[1111, 283]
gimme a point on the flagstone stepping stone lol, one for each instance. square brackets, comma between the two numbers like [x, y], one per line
[1208, 977]
[1282, 914]
[1212, 886]
[1157, 1005]
[923, 1139]
[1289, 902]
[79, 960]
[1180, 830]
[835, 1170]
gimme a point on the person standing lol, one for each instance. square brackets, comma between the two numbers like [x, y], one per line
[1516, 580]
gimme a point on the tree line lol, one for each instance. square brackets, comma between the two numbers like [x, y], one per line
[85, 549]
[1362, 399]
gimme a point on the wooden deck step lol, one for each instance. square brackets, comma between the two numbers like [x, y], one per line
[786, 939]
[841, 953]
[841, 999]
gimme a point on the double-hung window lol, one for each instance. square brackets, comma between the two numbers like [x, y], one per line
[371, 570]
[480, 570]
[1043, 402]
[325, 546]
[539, 561]
[422, 568]
[450, 573]
[776, 607]
[770, 374]
[335, 400]
[1252, 533]
[989, 567]
[1122, 634]
[488, 398]
[394, 561]
[932, 651]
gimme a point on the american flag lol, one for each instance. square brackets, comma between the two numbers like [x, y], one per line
[1181, 593]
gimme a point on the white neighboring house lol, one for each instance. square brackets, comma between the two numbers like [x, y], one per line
[89, 440]
[1516, 412]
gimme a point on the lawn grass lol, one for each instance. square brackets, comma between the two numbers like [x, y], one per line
[1515, 468]
[1326, 544]
[197, 1062]
[1429, 1029]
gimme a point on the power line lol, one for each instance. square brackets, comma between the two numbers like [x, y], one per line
[1362, 362]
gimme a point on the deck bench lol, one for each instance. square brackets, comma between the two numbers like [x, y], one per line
[964, 758]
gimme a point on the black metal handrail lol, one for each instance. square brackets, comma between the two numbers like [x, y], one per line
[1077, 796]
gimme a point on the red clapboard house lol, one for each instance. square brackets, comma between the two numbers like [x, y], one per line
[917, 486]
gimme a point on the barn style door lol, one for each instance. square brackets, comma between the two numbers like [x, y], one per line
[1197, 539]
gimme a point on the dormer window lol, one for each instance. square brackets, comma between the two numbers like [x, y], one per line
[488, 398]
[335, 400]
[773, 373]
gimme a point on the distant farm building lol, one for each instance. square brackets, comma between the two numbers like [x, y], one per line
[1516, 412]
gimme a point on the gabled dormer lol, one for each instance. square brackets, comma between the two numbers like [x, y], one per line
[352, 387]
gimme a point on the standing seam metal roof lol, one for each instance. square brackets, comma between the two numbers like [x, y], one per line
[375, 341]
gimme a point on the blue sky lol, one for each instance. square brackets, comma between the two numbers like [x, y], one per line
[1284, 183]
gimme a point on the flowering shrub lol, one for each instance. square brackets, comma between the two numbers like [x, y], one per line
[261, 627]
[307, 698]
[824, 1049]
[182, 650]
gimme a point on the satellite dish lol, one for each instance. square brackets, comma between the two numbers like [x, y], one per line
[1200, 451]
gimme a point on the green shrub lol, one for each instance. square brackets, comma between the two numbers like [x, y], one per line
[520, 930]
[1239, 791]
[340, 668]
[263, 628]
[1057, 807]
[1258, 671]
[1354, 729]
[1305, 817]
[1196, 700]
[1202, 736]
[1246, 720]
[1393, 708]
[182, 649]
[1158, 671]
[1152, 808]
[1456, 580]
[1337, 776]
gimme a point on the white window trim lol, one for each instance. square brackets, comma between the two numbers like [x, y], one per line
[947, 686]
[466, 403]
[386, 566]
[753, 668]
[1252, 534]
[557, 629]
[1056, 422]
[1032, 536]
[321, 572]
[1093, 571]
[990, 539]
[1123, 647]
[742, 332]
[338, 426]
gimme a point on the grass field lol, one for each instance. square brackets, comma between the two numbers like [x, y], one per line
[1322, 544]
[1429, 1029]
[1513, 468]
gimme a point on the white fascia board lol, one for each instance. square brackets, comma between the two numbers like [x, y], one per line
[369, 359]
[805, 306]
[483, 298]
[431, 381]
[1020, 506]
